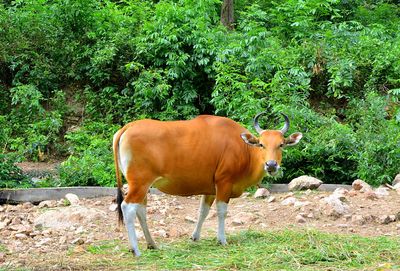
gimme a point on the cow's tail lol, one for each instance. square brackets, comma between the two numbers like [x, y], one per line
[120, 195]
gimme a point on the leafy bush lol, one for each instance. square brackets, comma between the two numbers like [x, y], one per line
[332, 65]
[91, 160]
[10, 175]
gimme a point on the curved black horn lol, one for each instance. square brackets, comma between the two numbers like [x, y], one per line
[256, 125]
[285, 127]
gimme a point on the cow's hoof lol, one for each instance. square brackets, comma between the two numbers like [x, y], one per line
[135, 253]
[152, 246]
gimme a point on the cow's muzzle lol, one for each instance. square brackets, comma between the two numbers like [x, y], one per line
[271, 167]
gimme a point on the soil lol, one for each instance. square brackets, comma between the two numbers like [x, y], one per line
[25, 240]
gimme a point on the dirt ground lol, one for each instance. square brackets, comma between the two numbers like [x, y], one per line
[28, 233]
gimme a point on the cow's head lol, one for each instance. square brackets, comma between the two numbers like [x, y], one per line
[271, 142]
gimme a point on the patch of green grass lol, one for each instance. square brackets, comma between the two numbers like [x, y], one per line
[250, 250]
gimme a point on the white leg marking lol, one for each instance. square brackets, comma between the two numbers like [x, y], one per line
[129, 211]
[125, 156]
[203, 212]
[141, 213]
[222, 208]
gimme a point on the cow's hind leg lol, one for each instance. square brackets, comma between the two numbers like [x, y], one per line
[141, 213]
[205, 205]
[132, 206]
[129, 211]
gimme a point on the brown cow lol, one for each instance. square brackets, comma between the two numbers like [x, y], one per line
[209, 155]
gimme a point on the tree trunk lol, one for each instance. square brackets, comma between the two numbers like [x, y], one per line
[227, 14]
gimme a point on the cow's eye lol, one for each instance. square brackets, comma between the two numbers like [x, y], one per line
[281, 145]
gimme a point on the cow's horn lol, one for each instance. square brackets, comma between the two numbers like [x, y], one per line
[256, 125]
[285, 127]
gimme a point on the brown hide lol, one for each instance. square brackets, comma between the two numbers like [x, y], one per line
[199, 156]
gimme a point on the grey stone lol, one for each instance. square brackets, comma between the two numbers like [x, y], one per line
[396, 180]
[261, 193]
[72, 198]
[304, 183]
[360, 185]
[289, 201]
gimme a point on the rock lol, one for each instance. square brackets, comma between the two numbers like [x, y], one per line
[304, 183]
[113, 207]
[62, 240]
[384, 219]
[177, 232]
[47, 204]
[352, 193]
[396, 186]
[27, 205]
[358, 219]
[237, 222]
[3, 225]
[396, 180]
[371, 195]
[2, 208]
[334, 207]
[398, 226]
[79, 230]
[73, 199]
[288, 195]
[261, 193]
[243, 218]
[20, 236]
[299, 204]
[360, 185]
[271, 199]
[21, 228]
[161, 233]
[245, 194]
[340, 193]
[289, 201]
[300, 219]
[78, 241]
[382, 192]
[66, 217]
[190, 219]
[43, 242]
[310, 215]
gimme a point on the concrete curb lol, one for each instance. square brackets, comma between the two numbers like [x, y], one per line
[36, 195]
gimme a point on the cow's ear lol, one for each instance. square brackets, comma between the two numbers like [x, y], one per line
[293, 139]
[251, 140]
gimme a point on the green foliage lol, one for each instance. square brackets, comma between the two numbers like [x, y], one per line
[91, 161]
[333, 66]
[10, 175]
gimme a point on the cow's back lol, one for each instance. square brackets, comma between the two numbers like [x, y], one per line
[182, 157]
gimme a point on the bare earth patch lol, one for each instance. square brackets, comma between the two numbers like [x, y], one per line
[41, 237]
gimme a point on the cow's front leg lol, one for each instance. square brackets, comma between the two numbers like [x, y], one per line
[222, 208]
[224, 190]
[205, 205]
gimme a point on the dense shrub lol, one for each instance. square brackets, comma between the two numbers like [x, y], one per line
[10, 175]
[91, 160]
[333, 66]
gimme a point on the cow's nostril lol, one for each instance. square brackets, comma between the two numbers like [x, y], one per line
[272, 164]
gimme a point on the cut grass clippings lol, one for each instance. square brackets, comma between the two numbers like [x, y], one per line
[247, 250]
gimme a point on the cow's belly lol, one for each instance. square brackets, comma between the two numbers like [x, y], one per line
[184, 187]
